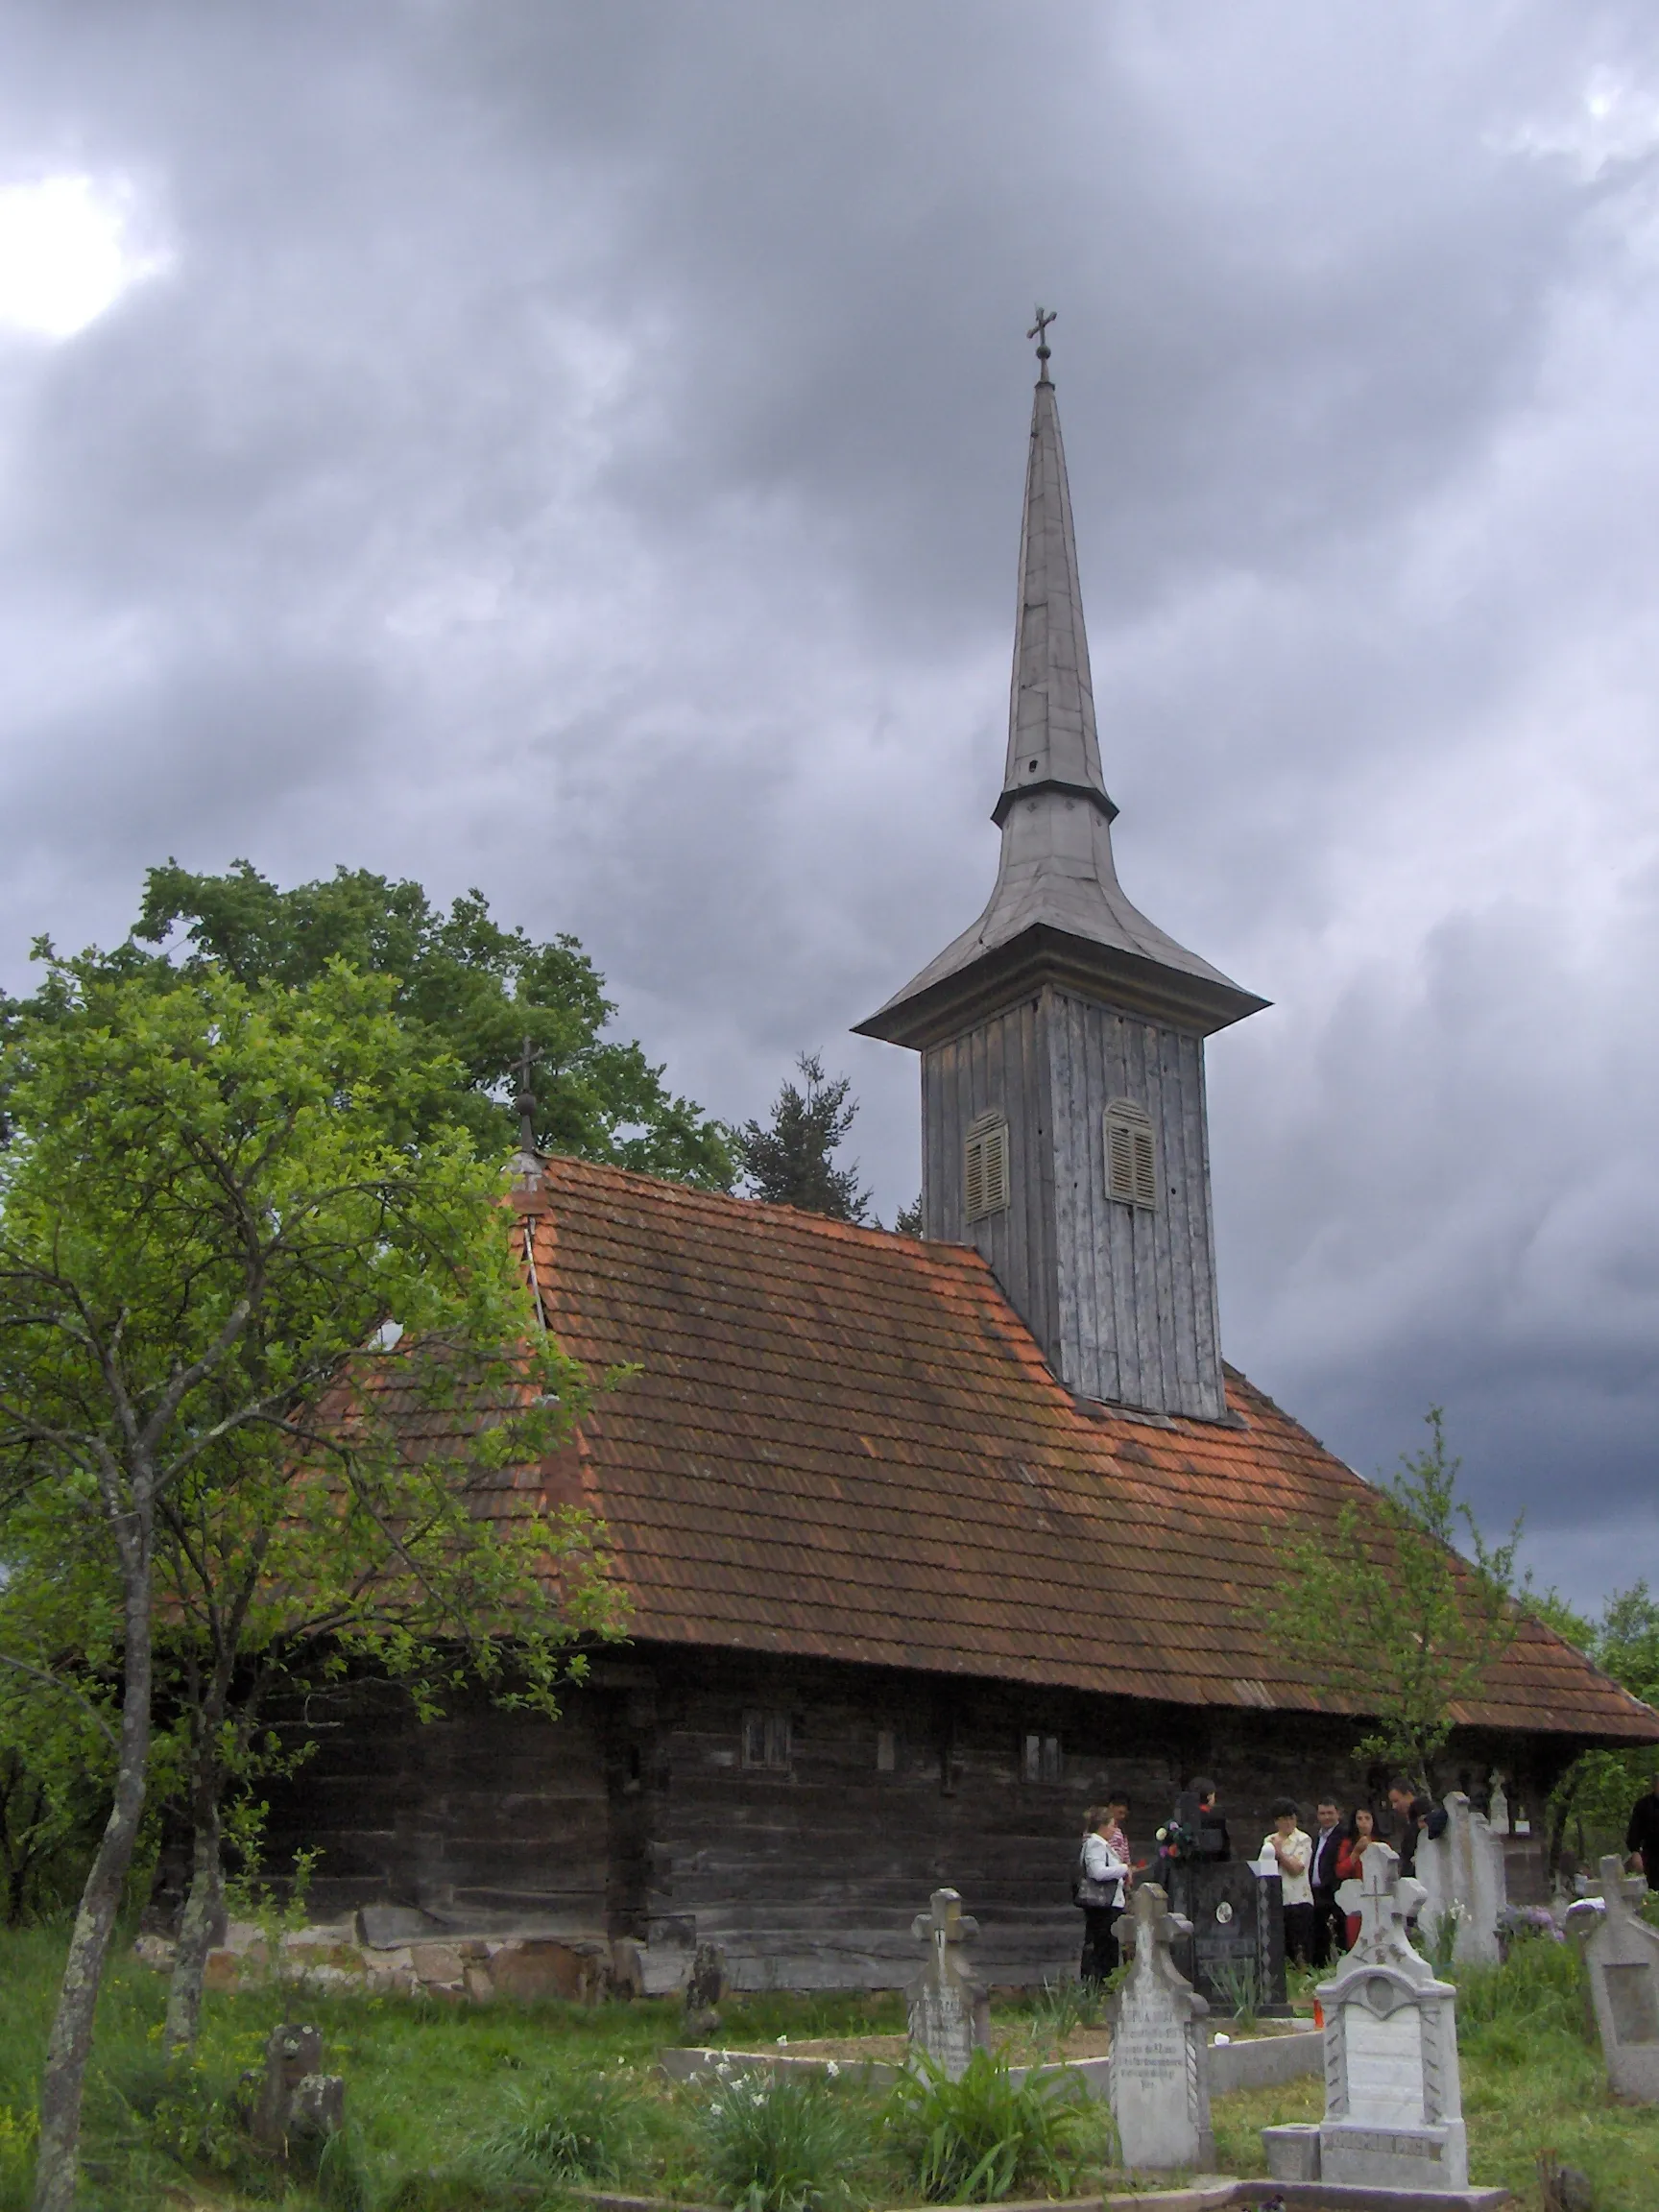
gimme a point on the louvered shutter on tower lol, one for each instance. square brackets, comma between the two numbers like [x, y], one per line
[985, 1167]
[1131, 1163]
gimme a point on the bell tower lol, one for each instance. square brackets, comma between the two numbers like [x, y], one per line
[1065, 1132]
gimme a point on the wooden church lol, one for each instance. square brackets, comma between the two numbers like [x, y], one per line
[925, 1539]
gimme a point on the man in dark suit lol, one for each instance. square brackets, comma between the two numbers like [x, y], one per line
[1328, 1915]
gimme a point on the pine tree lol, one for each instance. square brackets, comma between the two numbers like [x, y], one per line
[791, 1161]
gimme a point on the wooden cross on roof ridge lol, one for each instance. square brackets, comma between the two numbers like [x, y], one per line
[944, 1921]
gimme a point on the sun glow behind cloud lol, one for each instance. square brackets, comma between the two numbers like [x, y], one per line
[68, 251]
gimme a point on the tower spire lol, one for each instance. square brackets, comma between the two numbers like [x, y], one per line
[1052, 741]
[1062, 1037]
[1057, 911]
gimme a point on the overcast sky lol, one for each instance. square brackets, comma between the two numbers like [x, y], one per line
[575, 449]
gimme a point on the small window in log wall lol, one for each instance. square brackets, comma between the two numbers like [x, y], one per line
[1131, 1162]
[886, 1750]
[1039, 1758]
[985, 1167]
[767, 1741]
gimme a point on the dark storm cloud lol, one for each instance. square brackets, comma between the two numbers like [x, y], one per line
[577, 451]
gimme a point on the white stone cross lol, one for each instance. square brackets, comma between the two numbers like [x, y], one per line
[1621, 1893]
[1383, 1902]
[944, 1921]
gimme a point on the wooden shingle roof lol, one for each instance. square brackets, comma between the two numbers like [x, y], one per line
[844, 1444]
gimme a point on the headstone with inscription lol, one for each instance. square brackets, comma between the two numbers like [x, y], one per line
[1160, 2046]
[1622, 1957]
[1463, 1873]
[1393, 2107]
[1237, 1932]
[949, 2010]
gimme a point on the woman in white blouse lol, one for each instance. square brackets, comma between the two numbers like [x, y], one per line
[1103, 1869]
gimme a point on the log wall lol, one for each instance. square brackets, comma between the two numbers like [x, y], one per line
[637, 1815]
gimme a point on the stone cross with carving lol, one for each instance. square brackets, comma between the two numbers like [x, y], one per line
[1385, 1904]
[944, 1921]
[1149, 1922]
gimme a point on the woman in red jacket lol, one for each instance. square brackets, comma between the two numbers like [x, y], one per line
[1350, 1863]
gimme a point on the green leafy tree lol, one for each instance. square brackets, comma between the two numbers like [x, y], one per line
[1403, 1607]
[1594, 1797]
[214, 1195]
[465, 987]
[58, 1736]
[791, 1159]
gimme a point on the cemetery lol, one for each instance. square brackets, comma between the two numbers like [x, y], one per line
[1416, 2090]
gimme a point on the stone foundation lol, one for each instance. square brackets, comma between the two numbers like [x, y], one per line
[456, 1970]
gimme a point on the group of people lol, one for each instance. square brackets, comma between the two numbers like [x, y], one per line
[1311, 1866]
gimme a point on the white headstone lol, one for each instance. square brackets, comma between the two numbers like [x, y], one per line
[1462, 1872]
[1622, 1956]
[949, 2011]
[1393, 2107]
[1160, 2081]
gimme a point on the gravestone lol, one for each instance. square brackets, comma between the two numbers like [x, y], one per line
[1393, 2108]
[296, 2097]
[1462, 1871]
[1498, 1805]
[1237, 1928]
[705, 1989]
[1159, 2081]
[1622, 1956]
[949, 2010]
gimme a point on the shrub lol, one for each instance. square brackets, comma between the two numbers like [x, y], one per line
[1241, 1987]
[569, 2126]
[774, 2144]
[971, 2141]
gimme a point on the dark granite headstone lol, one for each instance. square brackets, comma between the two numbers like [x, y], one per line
[1237, 1919]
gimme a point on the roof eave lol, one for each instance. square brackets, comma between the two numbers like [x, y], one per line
[1042, 954]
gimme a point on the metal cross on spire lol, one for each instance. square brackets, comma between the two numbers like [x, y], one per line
[1040, 331]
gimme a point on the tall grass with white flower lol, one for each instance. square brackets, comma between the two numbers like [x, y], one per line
[774, 2143]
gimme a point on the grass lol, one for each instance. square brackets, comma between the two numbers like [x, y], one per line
[458, 2109]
